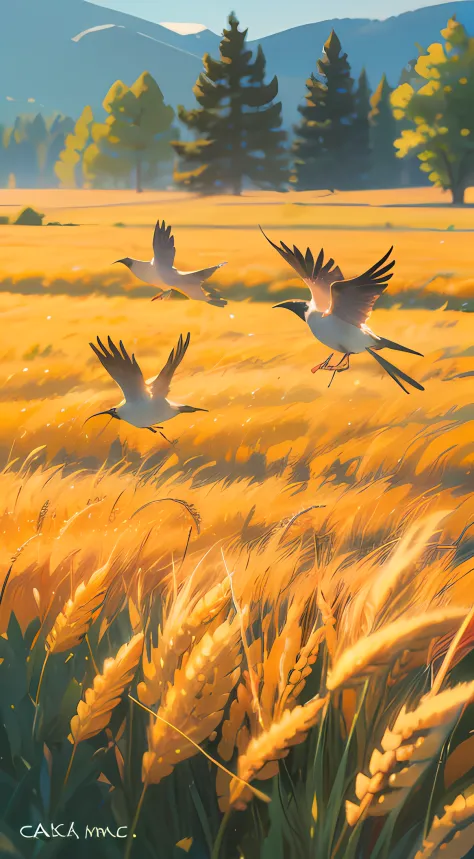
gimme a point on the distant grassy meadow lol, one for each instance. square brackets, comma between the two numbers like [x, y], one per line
[276, 586]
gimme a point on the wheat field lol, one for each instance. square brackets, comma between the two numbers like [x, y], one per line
[254, 641]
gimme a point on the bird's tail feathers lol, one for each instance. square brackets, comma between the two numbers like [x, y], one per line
[383, 343]
[214, 297]
[186, 409]
[218, 302]
[395, 373]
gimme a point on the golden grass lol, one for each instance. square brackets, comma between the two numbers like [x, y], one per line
[318, 525]
[431, 243]
[275, 442]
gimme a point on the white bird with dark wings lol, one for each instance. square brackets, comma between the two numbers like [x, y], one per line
[339, 309]
[161, 270]
[145, 404]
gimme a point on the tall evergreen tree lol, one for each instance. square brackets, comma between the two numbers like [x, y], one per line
[362, 142]
[237, 125]
[383, 132]
[326, 139]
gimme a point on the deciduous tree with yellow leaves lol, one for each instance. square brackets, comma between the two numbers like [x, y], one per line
[134, 138]
[441, 112]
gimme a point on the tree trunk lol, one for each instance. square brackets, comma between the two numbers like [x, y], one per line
[458, 192]
[139, 188]
[237, 185]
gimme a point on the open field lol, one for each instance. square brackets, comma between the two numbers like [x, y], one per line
[324, 546]
[431, 239]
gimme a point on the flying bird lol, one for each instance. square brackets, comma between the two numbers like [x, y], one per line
[339, 309]
[161, 270]
[145, 404]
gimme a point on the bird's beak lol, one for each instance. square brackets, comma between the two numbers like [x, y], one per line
[125, 261]
[108, 412]
[288, 305]
[296, 306]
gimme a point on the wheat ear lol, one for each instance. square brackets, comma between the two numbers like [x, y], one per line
[302, 668]
[409, 748]
[73, 622]
[194, 703]
[273, 745]
[94, 712]
[451, 835]
[180, 630]
[381, 649]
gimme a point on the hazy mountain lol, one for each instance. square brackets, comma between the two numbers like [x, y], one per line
[50, 52]
[66, 53]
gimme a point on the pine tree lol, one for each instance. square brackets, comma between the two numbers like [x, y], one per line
[383, 132]
[362, 144]
[237, 124]
[326, 140]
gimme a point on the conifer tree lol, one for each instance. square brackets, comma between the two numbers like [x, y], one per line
[383, 132]
[362, 143]
[237, 124]
[326, 139]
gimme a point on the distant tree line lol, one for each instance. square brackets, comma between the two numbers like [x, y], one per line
[347, 136]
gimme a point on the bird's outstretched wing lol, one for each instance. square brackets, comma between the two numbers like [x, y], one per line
[353, 300]
[316, 274]
[199, 276]
[164, 250]
[123, 369]
[160, 385]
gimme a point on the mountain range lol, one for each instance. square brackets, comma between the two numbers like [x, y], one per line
[59, 55]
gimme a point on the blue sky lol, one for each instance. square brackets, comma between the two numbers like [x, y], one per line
[262, 16]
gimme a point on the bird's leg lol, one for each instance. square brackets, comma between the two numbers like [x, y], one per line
[323, 365]
[339, 368]
[158, 428]
[172, 443]
[162, 296]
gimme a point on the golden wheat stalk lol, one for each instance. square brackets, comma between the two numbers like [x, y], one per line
[408, 749]
[381, 649]
[194, 703]
[277, 665]
[410, 547]
[451, 835]
[281, 678]
[301, 669]
[187, 622]
[263, 752]
[78, 614]
[95, 711]
[240, 707]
